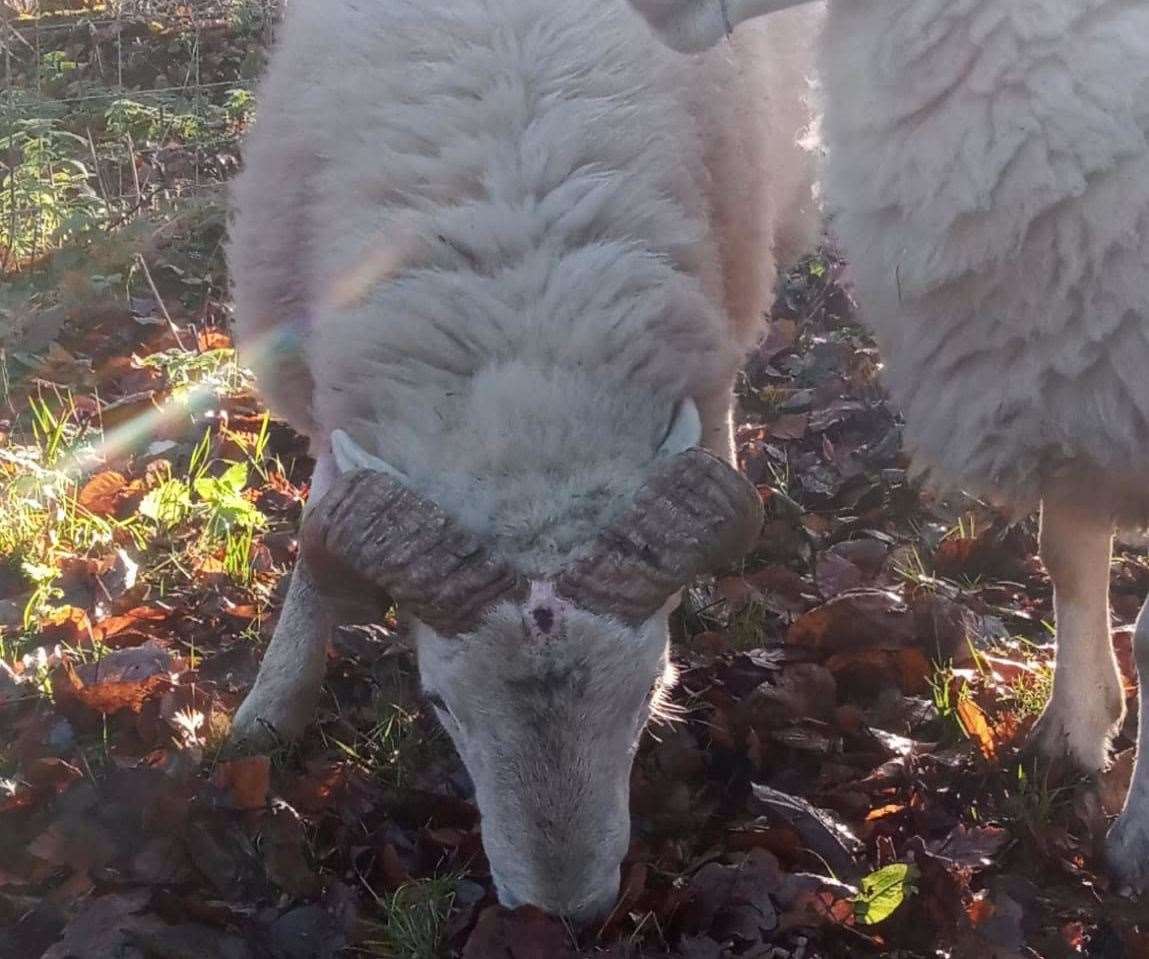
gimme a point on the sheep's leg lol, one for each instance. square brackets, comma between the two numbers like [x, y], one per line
[1127, 847]
[693, 25]
[717, 414]
[290, 678]
[1088, 701]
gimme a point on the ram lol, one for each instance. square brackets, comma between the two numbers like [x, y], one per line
[988, 176]
[500, 261]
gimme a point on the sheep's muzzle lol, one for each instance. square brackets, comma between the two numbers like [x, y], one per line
[693, 514]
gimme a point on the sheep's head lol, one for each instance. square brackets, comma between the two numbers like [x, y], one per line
[544, 685]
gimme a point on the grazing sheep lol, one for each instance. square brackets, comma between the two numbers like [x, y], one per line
[500, 260]
[988, 176]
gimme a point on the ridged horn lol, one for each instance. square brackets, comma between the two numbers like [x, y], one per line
[370, 527]
[694, 514]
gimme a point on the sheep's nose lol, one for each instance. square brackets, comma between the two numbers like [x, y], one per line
[580, 910]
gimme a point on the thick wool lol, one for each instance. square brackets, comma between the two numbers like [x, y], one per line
[516, 250]
[499, 241]
[988, 173]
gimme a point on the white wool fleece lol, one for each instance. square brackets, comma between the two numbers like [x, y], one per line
[988, 173]
[499, 241]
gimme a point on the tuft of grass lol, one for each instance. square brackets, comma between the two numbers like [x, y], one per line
[748, 627]
[394, 744]
[1029, 695]
[414, 922]
[911, 569]
[948, 694]
[1034, 800]
[942, 691]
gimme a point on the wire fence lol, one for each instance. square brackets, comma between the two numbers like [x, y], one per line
[115, 109]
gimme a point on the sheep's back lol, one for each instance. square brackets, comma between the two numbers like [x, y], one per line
[989, 175]
[397, 138]
[484, 237]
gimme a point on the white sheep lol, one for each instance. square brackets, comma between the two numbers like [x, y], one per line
[500, 260]
[988, 175]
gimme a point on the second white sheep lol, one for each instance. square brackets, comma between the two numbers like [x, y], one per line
[988, 175]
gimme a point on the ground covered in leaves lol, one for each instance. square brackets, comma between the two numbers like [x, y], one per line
[844, 778]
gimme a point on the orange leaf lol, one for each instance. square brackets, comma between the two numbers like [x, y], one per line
[211, 338]
[101, 494]
[108, 697]
[246, 781]
[975, 724]
[66, 626]
[914, 671]
[135, 618]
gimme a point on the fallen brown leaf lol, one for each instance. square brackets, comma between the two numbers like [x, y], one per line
[106, 698]
[100, 495]
[976, 726]
[863, 618]
[246, 781]
[973, 846]
[526, 933]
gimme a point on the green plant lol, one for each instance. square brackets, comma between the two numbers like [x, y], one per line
[382, 749]
[250, 17]
[43, 577]
[948, 695]
[46, 193]
[196, 123]
[54, 64]
[941, 688]
[168, 505]
[237, 556]
[226, 509]
[40, 514]
[883, 892]
[50, 427]
[216, 504]
[239, 105]
[815, 266]
[185, 370]
[910, 568]
[148, 123]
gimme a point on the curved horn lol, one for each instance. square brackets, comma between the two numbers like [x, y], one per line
[694, 513]
[370, 526]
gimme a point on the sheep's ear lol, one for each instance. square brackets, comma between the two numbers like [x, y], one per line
[350, 456]
[685, 430]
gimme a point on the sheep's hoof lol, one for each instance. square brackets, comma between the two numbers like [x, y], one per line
[1127, 852]
[1078, 744]
[262, 730]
